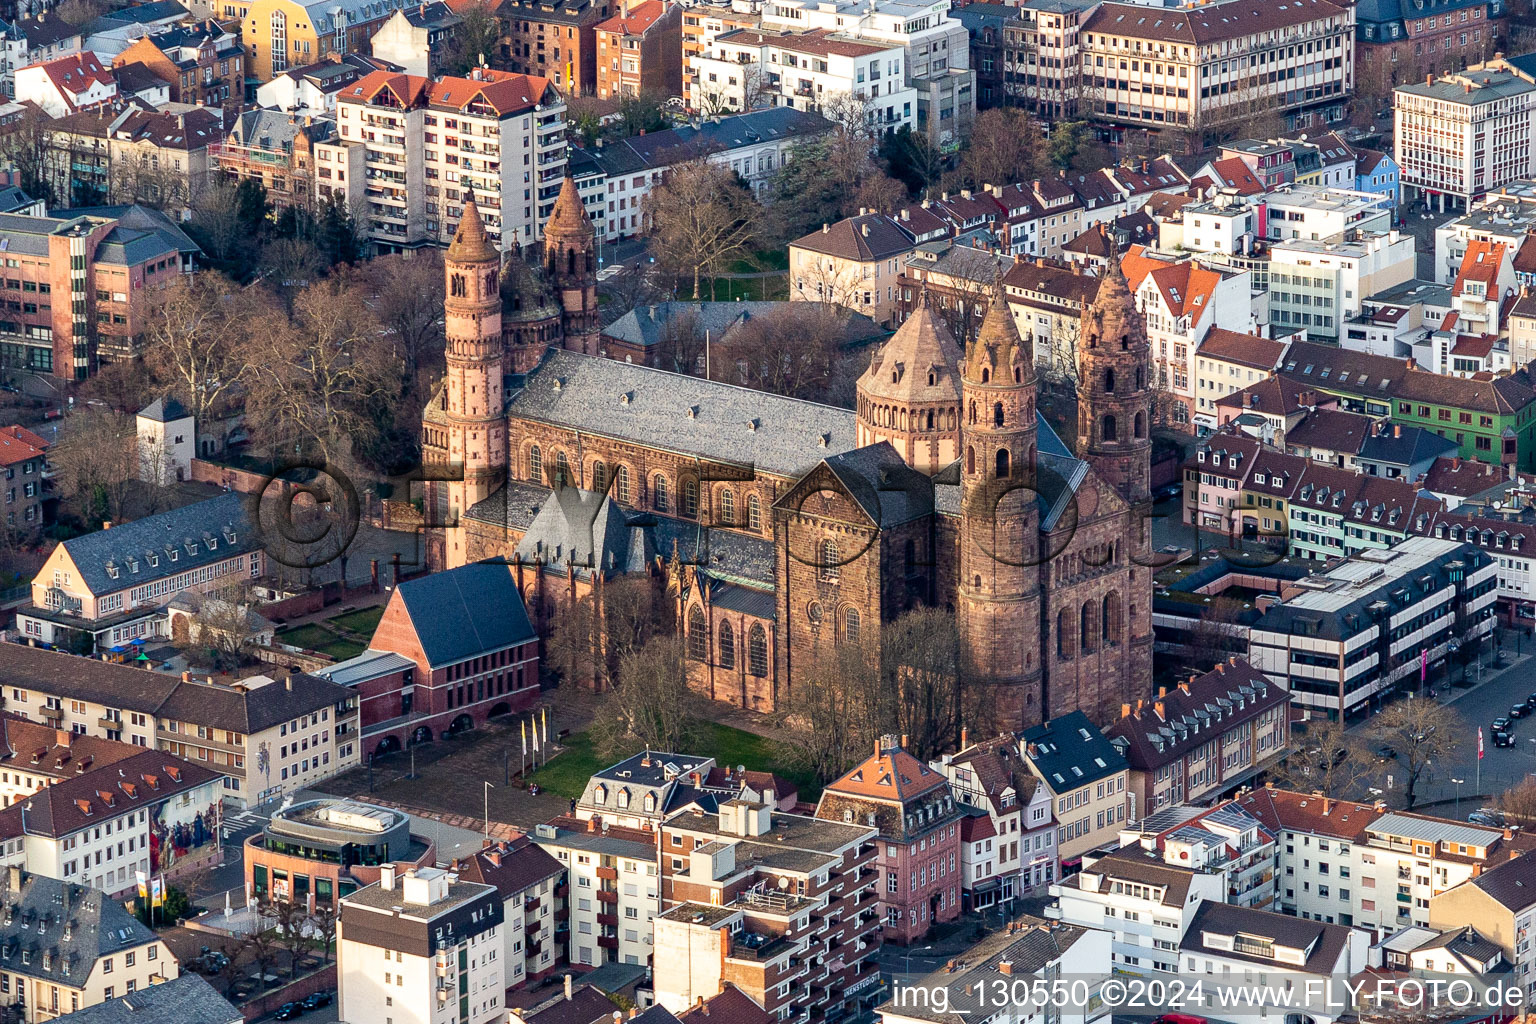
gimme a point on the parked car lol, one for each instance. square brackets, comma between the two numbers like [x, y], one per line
[1501, 738]
[288, 1011]
[1518, 711]
[1501, 725]
[315, 1000]
[1530, 702]
[1486, 817]
[1385, 753]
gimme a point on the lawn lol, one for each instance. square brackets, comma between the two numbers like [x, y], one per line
[314, 638]
[363, 621]
[568, 773]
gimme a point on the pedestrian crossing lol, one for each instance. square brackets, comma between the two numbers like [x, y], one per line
[244, 819]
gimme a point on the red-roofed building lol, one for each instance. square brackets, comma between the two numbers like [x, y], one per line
[1182, 303]
[1231, 172]
[1483, 296]
[530, 881]
[640, 51]
[447, 139]
[22, 458]
[66, 85]
[919, 822]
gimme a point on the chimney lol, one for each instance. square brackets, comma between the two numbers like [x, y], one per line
[1397, 430]
[567, 986]
[1327, 806]
[61, 738]
[903, 741]
[1162, 691]
[1160, 708]
[964, 738]
[1184, 687]
[1005, 967]
[825, 228]
[186, 677]
[387, 878]
[1125, 711]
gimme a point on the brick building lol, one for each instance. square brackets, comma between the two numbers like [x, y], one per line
[790, 531]
[782, 907]
[202, 62]
[554, 39]
[22, 458]
[919, 835]
[639, 51]
[453, 649]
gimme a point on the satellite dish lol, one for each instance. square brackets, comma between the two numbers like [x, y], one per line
[783, 882]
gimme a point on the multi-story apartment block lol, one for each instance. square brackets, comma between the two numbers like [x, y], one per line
[1339, 638]
[536, 918]
[1367, 867]
[1088, 778]
[82, 948]
[1227, 362]
[161, 158]
[426, 946]
[613, 892]
[1502, 902]
[144, 815]
[1143, 899]
[701, 24]
[297, 160]
[414, 38]
[283, 34]
[554, 39]
[856, 263]
[54, 265]
[23, 457]
[451, 650]
[1201, 69]
[39, 755]
[267, 737]
[1045, 67]
[808, 70]
[919, 824]
[1181, 751]
[991, 777]
[1464, 135]
[202, 62]
[431, 145]
[1225, 838]
[782, 906]
[1316, 287]
[1047, 300]
[638, 51]
[112, 587]
[1183, 302]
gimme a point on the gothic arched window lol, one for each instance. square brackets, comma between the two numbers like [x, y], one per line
[691, 498]
[698, 635]
[757, 650]
[727, 657]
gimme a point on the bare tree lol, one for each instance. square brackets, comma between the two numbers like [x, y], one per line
[701, 218]
[680, 346]
[1518, 803]
[98, 461]
[324, 922]
[261, 948]
[1419, 732]
[194, 340]
[652, 704]
[789, 351]
[879, 191]
[1331, 760]
[225, 626]
[216, 212]
[24, 145]
[1006, 145]
[407, 297]
[1218, 634]
[593, 638]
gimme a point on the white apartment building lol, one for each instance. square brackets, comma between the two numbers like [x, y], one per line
[1512, 545]
[529, 881]
[1317, 214]
[1144, 902]
[430, 145]
[1227, 224]
[1501, 901]
[424, 948]
[937, 51]
[1506, 216]
[1459, 137]
[808, 70]
[1199, 68]
[95, 829]
[267, 737]
[614, 887]
[1315, 286]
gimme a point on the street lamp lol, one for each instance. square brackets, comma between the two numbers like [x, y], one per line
[1458, 795]
[909, 960]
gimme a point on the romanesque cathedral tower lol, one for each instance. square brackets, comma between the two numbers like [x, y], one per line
[570, 259]
[476, 422]
[999, 572]
[1114, 405]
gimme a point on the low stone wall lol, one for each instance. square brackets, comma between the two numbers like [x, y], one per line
[323, 980]
[242, 480]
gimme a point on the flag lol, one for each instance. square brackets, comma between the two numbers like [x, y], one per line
[143, 885]
[1423, 664]
[546, 726]
[158, 890]
[525, 738]
[1479, 743]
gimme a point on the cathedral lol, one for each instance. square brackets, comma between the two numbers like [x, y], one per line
[784, 530]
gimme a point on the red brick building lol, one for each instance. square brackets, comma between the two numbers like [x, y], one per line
[640, 51]
[919, 836]
[453, 649]
[22, 457]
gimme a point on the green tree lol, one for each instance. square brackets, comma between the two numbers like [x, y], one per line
[702, 219]
[1065, 140]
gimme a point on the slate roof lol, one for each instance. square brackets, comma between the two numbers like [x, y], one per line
[646, 325]
[188, 999]
[42, 910]
[1205, 25]
[1322, 942]
[846, 239]
[247, 706]
[1232, 693]
[685, 414]
[511, 506]
[1512, 882]
[510, 867]
[1135, 864]
[1028, 952]
[589, 532]
[888, 490]
[1405, 446]
[730, 1006]
[164, 410]
[127, 547]
[587, 1005]
[748, 601]
[1331, 430]
[135, 219]
[41, 32]
[467, 611]
[1069, 752]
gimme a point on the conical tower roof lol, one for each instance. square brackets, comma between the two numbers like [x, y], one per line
[999, 345]
[922, 349]
[470, 242]
[569, 219]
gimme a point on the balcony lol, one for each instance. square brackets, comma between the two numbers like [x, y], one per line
[608, 895]
[109, 723]
[608, 941]
[563, 890]
[531, 928]
[610, 874]
[608, 920]
[54, 715]
[563, 914]
[531, 904]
